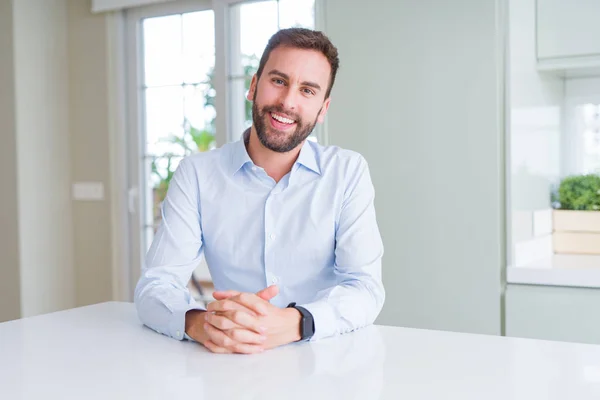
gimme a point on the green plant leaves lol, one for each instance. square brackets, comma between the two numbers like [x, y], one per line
[580, 192]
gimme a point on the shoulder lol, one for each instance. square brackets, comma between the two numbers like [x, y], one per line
[337, 159]
[206, 161]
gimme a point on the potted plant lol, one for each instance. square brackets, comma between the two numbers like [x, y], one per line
[576, 220]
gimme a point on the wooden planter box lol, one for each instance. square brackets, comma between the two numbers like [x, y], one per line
[576, 232]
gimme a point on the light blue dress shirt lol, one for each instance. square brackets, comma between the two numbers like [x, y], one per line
[313, 233]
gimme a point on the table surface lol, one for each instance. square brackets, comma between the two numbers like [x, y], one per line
[104, 352]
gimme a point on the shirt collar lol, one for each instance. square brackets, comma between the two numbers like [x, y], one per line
[240, 157]
[308, 158]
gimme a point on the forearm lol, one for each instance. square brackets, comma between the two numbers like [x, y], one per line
[162, 306]
[348, 306]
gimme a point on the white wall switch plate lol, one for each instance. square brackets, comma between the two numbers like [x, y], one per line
[88, 191]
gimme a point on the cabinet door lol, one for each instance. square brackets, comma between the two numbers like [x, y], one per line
[553, 313]
[568, 28]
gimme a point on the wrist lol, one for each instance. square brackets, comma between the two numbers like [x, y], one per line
[294, 318]
[194, 325]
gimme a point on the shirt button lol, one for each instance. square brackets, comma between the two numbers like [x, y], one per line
[272, 236]
[274, 280]
[254, 168]
[178, 333]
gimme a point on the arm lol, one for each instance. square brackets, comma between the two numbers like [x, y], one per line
[358, 298]
[161, 295]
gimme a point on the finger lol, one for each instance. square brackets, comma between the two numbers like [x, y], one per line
[245, 336]
[220, 339]
[214, 348]
[225, 294]
[265, 294]
[253, 302]
[235, 320]
[227, 305]
[221, 321]
[268, 293]
[245, 320]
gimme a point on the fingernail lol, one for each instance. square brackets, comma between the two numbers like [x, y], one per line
[263, 338]
[262, 329]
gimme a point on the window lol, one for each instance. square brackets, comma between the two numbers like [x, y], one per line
[588, 123]
[177, 96]
[173, 87]
[255, 23]
[551, 140]
[553, 230]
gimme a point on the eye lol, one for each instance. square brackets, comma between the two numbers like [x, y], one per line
[308, 91]
[278, 81]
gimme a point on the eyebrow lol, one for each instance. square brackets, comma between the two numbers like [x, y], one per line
[285, 76]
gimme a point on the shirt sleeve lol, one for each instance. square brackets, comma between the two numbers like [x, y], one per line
[161, 295]
[358, 297]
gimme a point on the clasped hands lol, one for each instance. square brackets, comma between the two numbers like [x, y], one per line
[243, 323]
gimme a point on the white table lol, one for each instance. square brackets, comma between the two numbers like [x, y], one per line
[103, 352]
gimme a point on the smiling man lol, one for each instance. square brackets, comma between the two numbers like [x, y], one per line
[287, 226]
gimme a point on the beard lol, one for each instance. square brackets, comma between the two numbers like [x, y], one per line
[276, 140]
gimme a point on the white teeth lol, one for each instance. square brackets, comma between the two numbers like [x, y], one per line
[282, 119]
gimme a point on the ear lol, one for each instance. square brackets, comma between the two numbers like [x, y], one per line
[252, 89]
[323, 112]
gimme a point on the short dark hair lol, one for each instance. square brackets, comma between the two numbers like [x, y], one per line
[307, 39]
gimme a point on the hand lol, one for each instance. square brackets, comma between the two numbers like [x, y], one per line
[238, 320]
[195, 322]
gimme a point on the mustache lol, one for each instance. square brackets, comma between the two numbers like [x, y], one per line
[281, 110]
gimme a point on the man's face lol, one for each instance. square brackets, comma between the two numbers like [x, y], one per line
[289, 98]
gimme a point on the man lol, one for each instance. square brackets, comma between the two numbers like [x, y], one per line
[287, 226]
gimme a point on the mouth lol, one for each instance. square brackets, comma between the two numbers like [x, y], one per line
[281, 122]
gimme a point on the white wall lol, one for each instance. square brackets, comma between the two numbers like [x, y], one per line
[10, 293]
[89, 140]
[536, 122]
[43, 151]
[54, 253]
[418, 94]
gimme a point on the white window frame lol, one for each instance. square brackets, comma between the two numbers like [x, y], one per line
[126, 119]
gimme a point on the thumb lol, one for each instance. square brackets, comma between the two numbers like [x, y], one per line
[225, 294]
[268, 293]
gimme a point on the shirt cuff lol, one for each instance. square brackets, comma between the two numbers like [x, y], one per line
[177, 324]
[187, 337]
[324, 317]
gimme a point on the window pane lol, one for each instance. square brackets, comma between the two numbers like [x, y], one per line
[257, 22]
[162, 51]
[160, 172]
[589, 115]
[200, 116]
[164, 120]
[198, 46]
[296, 13]
[241, 109]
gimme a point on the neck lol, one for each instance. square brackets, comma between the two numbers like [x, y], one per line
[275, 164]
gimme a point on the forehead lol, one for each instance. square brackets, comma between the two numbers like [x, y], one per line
[300, 64]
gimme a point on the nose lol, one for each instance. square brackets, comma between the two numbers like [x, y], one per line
[288, 99]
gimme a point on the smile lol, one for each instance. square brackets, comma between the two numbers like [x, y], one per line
[282, 119]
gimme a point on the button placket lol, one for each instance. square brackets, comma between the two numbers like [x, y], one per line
[268, 233]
